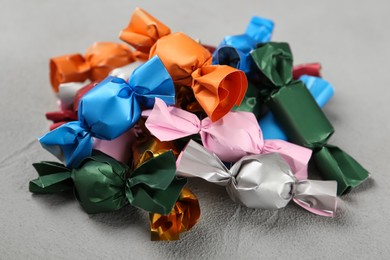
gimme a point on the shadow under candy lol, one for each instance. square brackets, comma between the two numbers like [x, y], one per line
[55, 199]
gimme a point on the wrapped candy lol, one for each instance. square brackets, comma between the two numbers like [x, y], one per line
[259, 181]
[186, 212]
[300, 116]
[234, 50]
[235, 135]
[102, 184]
[143, 31]
[217, 88]
[99, 60]
[108, 110]
[320, 89]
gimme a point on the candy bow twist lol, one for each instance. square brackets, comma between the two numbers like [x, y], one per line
[99, 60]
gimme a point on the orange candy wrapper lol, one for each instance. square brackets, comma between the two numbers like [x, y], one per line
[99, 60]
[142, 32]
[186, 212]
[217, 88]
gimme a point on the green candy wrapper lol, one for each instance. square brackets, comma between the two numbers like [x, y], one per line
[296, 110]
[300, 116]
[102, 184]
[340, 166]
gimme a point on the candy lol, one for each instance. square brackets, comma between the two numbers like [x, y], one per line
[102, 184]
[259, 181]
[300, 116]
[186, 212]
[99, 60]
[108, 110]
[217, 88]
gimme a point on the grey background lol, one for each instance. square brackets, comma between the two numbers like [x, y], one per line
[349, 38]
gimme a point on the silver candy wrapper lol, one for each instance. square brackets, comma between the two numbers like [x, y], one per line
[259, 181]
[67, 92]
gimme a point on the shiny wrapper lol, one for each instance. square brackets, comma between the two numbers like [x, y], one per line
[184, 215]
[186, 211]
[259, 181]
[148, 147]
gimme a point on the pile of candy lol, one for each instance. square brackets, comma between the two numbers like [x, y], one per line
[134, 124]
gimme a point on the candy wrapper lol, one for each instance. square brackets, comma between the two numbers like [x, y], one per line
[108, 110]
[234, 50]
[259, 181]
[99, 60]
[183, 217]
[300, 116]
[102, 184]
[142, 32]
[186, 212]
[216, 88]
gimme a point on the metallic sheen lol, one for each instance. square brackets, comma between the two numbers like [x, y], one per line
[259, 181]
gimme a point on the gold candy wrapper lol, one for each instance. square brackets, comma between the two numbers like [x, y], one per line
[186, 212]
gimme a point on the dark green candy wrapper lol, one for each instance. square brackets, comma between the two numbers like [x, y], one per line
[102, 184]
[296, 110]
[300, 116]
[338, 165]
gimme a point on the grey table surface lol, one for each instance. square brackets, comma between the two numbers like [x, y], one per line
[349, 38]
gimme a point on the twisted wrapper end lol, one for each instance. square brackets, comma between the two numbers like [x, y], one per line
[142, 32]
[318, 197]
[103, 57]
[68, 68]
[69, 142]
[184, 215]
[218, 89]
